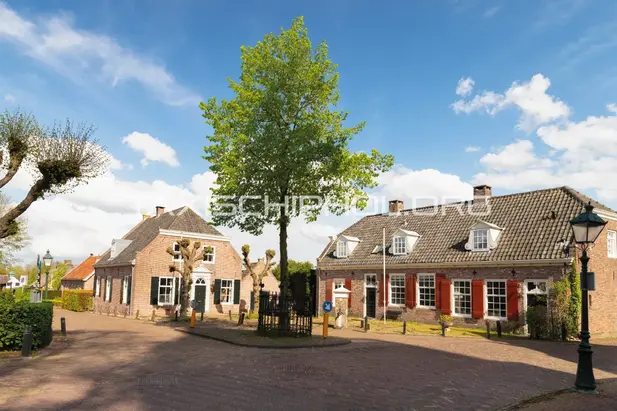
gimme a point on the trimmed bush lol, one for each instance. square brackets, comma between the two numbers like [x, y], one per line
[57, 302]
[53, 294]
[77, 300]
[15, 316]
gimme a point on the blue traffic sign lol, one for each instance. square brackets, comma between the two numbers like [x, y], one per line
[327, 306]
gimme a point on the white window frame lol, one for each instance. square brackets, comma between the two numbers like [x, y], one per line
[213, 255]
[125, 289]
[97, 284]
[534, 280]
[505, 296]
[396, 245]
[612, 251]
[171, 294]
[454, 313]
[398, 276]
[418, 290]
[108, 282]
[231, 291]
[178, 258]
[338, 280]
[342, 249]
[473, 239]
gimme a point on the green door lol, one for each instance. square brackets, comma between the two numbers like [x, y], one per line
[200, 298]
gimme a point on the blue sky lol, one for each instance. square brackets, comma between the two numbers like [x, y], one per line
[143, 67]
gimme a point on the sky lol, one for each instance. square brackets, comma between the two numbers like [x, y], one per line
[520, 95]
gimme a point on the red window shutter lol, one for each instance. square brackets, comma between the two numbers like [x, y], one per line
[445, 296]
[383, 290]
[328, 290]
[410, 290]
[477, 298]
[512, 289]
[348, 286]
[438, 279]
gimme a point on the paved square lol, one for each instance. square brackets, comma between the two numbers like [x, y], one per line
[119, 364]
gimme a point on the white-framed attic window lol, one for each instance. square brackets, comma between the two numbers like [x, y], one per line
[345, 246]
[483, 236]
[403, 241]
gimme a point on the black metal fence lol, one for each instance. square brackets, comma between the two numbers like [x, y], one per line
[284, 316]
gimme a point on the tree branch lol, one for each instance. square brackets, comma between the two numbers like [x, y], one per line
[36, 191]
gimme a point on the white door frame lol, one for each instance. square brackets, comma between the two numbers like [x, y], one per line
[202, 274]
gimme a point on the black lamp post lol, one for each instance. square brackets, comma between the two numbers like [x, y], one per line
[586, 228]
[47, 259]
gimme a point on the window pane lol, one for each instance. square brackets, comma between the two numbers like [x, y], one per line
[462, 297]
[397, 289]
[426, 290]
[496, 299]
[227, 291]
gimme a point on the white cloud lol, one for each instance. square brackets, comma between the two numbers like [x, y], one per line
[152, 149]
[77, 53]
[515, 156]
[490, 12]
[464, 86]
[9, 98]
[472, 149]
[530, 98]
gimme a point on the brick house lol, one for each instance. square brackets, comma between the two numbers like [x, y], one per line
[80, 277]
[133, 276]
[489, 258]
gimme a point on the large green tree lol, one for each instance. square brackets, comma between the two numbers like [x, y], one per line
[281, 137]
[294, 268]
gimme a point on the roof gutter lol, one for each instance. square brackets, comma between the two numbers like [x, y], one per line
[473, 264]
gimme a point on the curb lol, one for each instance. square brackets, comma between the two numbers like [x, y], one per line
[284, 347]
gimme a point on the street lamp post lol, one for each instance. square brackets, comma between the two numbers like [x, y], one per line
[586, 228]
[47, 259]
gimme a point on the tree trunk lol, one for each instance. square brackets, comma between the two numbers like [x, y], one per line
[256, 291]
[184, 295]
[283, 250]
[7, 220]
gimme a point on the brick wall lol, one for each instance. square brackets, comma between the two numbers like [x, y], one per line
[603, 301]
[154, 260]
[115, 274]
[551, 273]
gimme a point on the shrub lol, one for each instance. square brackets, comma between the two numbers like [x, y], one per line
[537, 322]
[57, 302]
[77, 300]
[16, 315]
[53, 294]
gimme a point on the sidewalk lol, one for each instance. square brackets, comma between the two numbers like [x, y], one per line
[573, 401]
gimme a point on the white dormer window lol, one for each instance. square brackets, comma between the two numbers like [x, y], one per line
[480, 240]
[341, 249]
[483, 236]
[400, 245]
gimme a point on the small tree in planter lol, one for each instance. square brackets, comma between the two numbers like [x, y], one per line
[190, 256]
[255, 275]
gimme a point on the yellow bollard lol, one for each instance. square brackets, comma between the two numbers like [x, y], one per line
[325, 325]
[193, 319]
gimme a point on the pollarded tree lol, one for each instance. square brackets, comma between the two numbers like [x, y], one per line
[60, 158]
[257, 275]
[16, 241]
[280, 137]
[189, 257]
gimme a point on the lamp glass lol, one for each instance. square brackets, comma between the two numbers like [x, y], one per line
[47, 259]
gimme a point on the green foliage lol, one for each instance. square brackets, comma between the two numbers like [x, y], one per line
[51, 294]
[446, 319]
[57, 274]
[22, 294]
[280, 136]
[537, 322]
[57, 302]
[15, 316]
[558, 307]
[77, 300]
[294, 268]
[574, 309]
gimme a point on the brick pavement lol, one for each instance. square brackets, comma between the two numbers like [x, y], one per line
[121, 364]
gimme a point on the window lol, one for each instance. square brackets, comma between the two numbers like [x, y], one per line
[341, 249]
[125, 290]
[98, 286]
[209, 256]
[338, 283]
[108, 289]
[611, 241]
[462, 297]
[400, 245]
[371, 280]
[537, 292]
[166, 290]
[397, 289]
[496, 299]
[227, 291]
[426, 290]
[177, 255]
[480, 240]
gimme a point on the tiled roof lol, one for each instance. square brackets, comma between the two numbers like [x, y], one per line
[534, 226]
[181, 219]
[83, 270]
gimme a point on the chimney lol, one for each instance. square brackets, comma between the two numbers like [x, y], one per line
[395, 206]
[482, 193]
[159, 210]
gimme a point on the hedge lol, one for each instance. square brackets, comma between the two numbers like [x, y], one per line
[77, 300]
[15, 316]
[53, 294]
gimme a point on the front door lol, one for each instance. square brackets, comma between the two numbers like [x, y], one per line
[371, 302]
[200, 298]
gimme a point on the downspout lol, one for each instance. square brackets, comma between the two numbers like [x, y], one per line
[132, 288]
